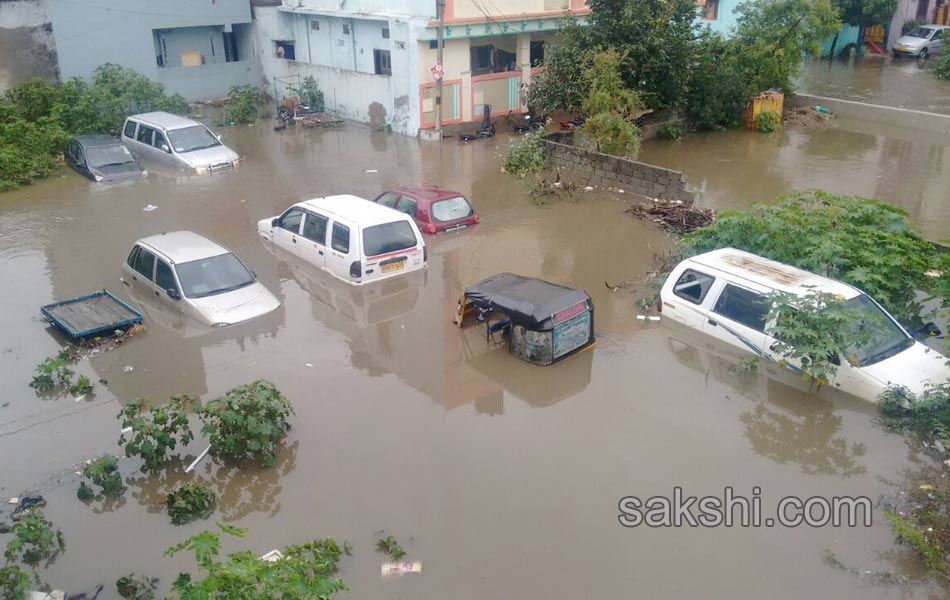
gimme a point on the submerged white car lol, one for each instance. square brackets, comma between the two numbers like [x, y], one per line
[192, 274]
[723, 294]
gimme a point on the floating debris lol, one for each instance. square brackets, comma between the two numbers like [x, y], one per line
[675, 217]
[401, 568]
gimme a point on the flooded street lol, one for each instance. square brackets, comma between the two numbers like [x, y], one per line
[502, 477]
[902, 82]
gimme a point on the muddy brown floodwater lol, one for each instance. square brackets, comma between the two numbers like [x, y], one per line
[503, 478]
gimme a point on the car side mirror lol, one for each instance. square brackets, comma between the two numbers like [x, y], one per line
[275, 222]
[165, 148]
[218, 136]
[173, 294]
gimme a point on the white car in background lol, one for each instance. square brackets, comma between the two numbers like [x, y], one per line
[351, 238]
[723, 294]
[922, 41]
[204, 280]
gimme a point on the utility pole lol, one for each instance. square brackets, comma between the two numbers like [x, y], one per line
[440, 12]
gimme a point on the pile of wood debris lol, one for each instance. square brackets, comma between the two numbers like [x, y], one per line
[320, 119]
[675, 217]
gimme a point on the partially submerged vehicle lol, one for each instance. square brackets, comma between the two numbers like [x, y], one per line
[102, 158]
[724, 293]
[543, 322]
[179, 142]
[434, 209]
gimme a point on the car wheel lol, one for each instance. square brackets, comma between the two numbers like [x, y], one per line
[923, 53]
[896, 54]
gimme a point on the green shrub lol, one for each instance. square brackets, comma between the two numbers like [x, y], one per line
[133, 587]
[249, 420]
[767, 121]
[309, 94]
[156, 430]
[717, 93]
[53, 373]
[81, 387]
[526, 154]
[242, 104]
[104, 472]
[34, 539]
[927, 413]
[14, 583]
[942, 63]
[611, 109]
[390, 546]
[189, 502]
[305, 571]
[669, 132]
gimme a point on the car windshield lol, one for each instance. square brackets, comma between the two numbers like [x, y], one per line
[214, 275]
[876, 335]
[451, 209]
[921, 32]
[189, 139]
[107, 156]
[388, 237]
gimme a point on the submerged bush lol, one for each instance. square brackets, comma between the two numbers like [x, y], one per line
[669, 132]
[942, 63]
[34, 539]
[243, 102]
[156, 430]
[189, 502]
[526, 154]
[767, 121]
[249, 420]
[928, 413]
[14, 583]
[104, 472]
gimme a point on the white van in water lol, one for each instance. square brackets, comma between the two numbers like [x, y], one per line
[353, 239]
[722, 293]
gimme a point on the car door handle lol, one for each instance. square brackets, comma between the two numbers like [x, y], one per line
[157, 294]
[320, 252]
[712, 322]
[134, 278]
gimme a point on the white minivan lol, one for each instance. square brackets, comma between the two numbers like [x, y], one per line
[351, 238]
[179, 142]
[722, 293]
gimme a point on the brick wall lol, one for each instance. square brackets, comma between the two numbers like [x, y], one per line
[585, 168]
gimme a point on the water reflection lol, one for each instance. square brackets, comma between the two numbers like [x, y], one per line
[787, 424]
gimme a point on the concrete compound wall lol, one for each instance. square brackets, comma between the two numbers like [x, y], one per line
[874, 113]
[582, 168]
[26, 42]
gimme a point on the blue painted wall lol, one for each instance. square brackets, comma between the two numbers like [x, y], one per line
[725, 20]
[848, 35]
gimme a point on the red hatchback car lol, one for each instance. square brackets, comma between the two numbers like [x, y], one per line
[434, 209]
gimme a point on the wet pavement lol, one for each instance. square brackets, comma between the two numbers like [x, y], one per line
[503, 478]
[901, 82]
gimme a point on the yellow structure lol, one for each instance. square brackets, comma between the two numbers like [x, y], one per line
[764, 102]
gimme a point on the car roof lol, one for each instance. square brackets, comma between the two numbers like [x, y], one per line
[354, 208]
[425, 191]
[96, 140]
[183, 246]
[165, 120]
[771, 274]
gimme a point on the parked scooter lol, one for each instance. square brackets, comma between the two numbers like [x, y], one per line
[486, 130]
[526, 122]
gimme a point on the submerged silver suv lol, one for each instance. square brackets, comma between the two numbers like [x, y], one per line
[177, 141]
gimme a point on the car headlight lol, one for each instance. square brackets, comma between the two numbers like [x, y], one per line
[197, 170]
[98, 177]
[144, 172]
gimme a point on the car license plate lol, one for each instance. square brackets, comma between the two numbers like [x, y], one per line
[456, 227]
[393, 266]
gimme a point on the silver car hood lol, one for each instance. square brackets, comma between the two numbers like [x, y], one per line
[209, 156]
[906, 40]
[239, 305]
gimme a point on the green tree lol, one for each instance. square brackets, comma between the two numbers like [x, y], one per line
[560, 85]
[611, 108]
[716, 92]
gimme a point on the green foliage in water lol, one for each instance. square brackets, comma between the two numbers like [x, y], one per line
[305, 571]
[37, 117]
[34, 539]
[390, 546]
[611, 109]
[242, 105]
[526, 154]
[14, 583]
[249, 420]
[189, 502]
[136, 587]
[670, 132]
[942, 63]
[53, 373]
[928, 412]
[82, 386]
[921, 518]
[767, 121]
[156, 430]
[866, 243]
[104, 472]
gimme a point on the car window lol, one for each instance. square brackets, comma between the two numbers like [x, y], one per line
[693, 286]
[144, 263]
[407, 205]
[451, 209]
[315, 228]
[742, 306]
[130, 129]
[388, 199]
[164, 277]
[131, 259]
[145, 135]
[160, 141]
[189, 139]
[291, 220]
[79, 156]
[341, 238]
[214, 275]
[106, 156]
[388, 237]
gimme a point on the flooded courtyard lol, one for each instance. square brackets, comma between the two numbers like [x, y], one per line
[503, 478]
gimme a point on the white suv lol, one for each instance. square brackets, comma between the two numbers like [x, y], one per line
[179, 142]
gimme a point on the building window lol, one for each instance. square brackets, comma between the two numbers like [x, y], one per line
[346, 29]
[383, 62]
[710, 9]
[385, 33]
[537, 53]
[434, 44]
[284, 50]
[315, 25]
